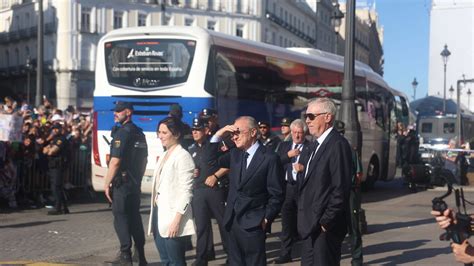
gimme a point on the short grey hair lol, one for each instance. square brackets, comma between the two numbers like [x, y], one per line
[326, 104]
[299, 123]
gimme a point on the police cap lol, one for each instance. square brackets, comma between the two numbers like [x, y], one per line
[263, 124]
[208, 112]
[285, 121]
[198, 123]
[120, 106]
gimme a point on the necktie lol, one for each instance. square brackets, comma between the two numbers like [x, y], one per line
[245, 155]
[293, 160]
[313, 148]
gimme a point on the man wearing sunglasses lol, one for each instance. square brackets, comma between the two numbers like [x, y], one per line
[255, 191]
[324, 188]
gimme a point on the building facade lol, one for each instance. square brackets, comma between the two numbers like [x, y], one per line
[73, 28]
[451, 24]
[368, 43]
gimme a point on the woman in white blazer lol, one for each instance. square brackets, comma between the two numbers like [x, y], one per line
[171, 216]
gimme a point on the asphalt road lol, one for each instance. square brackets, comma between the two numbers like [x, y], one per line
[400, 232]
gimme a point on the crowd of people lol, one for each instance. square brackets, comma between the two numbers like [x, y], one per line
[241, 175]
[26, 163]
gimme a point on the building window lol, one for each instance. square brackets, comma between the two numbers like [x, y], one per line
[239, 30]
[281, 41]
[17, 56]
[211, 25]
[7, 57]
[27, 20]
[274, 8]
[274, 38]
[188, 3]
[210, 4]
[281, 12]
[85, 19]
[118, 17]
[188, 21]
[141, 20]
[238, 6]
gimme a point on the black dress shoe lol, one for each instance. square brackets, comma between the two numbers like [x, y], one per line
[121, 259]
[283, 259]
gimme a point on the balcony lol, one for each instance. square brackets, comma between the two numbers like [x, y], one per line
[22, 34]
[275, 19]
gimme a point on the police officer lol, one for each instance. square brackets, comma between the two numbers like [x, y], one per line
[208, 196]
[210, 117]
[55, 152]
[285, 129]
[128, 158]
[266, 136]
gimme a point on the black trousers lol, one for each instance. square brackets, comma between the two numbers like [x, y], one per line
[127, 219]
[289, 213]
[57, 188]
[208, 203]
[354, 229]
[246, 246]
[323, 248]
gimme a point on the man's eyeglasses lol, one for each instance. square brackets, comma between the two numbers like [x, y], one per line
[311, 116]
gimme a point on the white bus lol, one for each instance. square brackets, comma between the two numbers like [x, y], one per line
[154, 67]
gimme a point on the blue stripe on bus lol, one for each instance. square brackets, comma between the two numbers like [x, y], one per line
[148, 110]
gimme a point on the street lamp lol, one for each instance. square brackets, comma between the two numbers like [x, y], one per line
[28, 69]
[451, 91]
[445, 54]
[414, 83]
[336, 19]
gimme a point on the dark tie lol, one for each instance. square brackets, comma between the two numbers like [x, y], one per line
[313, 146]
[245, 155]
[293, 160]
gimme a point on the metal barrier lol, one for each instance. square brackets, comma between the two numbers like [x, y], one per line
[32, 172]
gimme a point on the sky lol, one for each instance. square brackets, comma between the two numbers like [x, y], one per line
[406, 26]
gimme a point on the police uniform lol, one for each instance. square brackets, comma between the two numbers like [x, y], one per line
[55, 172]
[209, 202]
[129, 145]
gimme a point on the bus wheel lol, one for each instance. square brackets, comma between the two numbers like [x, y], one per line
[372, 175]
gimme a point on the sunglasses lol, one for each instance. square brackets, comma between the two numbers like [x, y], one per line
[311, 116]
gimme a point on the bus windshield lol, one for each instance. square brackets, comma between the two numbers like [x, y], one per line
[148, 64]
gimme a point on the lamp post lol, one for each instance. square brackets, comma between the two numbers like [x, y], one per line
[451, 91]
[414, 83]
[336, 19]
[445, 54]
[28, 69]
[39, 58]
[348, 109]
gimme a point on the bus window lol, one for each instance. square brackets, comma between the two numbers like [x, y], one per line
[148, 64]
[426, 128]
[448, 128]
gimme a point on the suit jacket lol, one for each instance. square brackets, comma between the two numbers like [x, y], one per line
[175, 186]
[259, 194]
[324, 192]
[285, 147]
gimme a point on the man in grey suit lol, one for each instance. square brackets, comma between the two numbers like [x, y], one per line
[324, 189]
[255, 192]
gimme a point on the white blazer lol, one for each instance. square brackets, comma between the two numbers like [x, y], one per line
[174, 190]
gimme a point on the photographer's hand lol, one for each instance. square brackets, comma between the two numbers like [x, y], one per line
[463, 252]
[445, 219]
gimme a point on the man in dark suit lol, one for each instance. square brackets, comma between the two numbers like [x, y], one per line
[325, 187]
[290, 153]
[255, 192]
